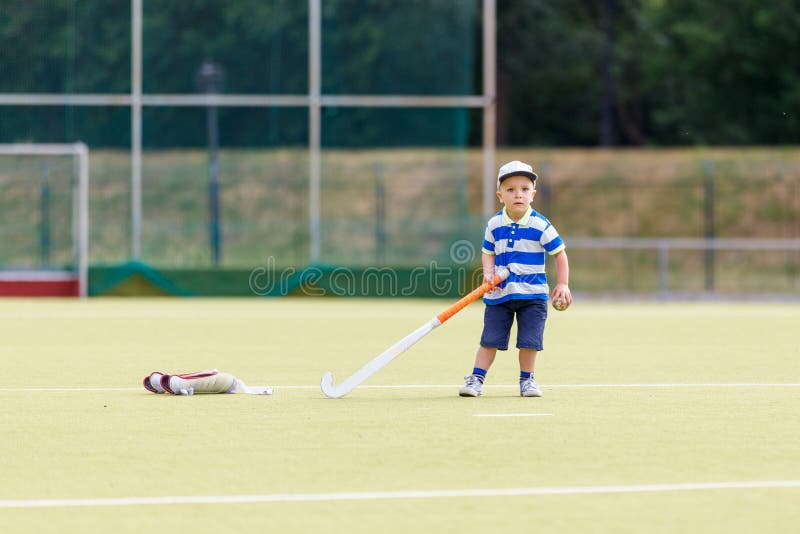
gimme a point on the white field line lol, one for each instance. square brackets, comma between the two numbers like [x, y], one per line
[199, 315]
[556, 386]
[75, 389]
[512, 414]
[438, 386]
[393, 495]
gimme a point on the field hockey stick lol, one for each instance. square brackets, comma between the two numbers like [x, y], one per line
[406, 343]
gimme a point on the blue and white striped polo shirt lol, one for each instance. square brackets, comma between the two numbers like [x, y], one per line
[520, 247]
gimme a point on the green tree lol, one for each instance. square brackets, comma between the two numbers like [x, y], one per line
[723, 72]
[548, 75]
[573, 72]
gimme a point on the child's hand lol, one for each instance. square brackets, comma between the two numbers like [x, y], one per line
[489, 278]
[562, 291]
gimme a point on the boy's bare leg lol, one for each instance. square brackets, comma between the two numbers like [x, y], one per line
[527, 360]
[485, 357]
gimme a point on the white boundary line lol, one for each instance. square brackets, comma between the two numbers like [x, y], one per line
[391, 495]
[438, 386]
[512, 414]
[69, 390]
[556, 386]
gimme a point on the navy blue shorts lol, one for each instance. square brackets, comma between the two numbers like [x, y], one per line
[498, 318]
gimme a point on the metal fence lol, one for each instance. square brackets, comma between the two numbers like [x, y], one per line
[289, 77]
[686, 267]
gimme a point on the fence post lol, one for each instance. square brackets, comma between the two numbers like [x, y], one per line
[708, 167]
[544, 189]
[209, 78]
[380, 215]
[663, 269]
[44, 222]
[793, 200]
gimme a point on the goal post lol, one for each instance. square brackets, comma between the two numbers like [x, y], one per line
[79, 273]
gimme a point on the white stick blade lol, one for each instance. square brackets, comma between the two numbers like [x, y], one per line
[374, 365]
[328, 388]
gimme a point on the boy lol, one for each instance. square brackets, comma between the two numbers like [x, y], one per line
[517, 238]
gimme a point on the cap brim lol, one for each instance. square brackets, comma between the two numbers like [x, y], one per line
[531, 175]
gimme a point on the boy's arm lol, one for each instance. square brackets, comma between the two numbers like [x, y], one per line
[488, 269]
[562, 275]
[488, 266]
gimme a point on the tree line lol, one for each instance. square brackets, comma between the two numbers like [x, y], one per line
[649, 72]
[572, 72]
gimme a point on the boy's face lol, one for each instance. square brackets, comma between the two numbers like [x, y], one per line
[516, 193]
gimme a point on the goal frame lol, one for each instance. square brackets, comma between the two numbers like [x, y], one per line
[80, 198]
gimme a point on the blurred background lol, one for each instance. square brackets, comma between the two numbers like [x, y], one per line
[233, 140]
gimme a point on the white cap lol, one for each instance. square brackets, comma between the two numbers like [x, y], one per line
[515, 168]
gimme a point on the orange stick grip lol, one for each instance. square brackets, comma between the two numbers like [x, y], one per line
[469, 298]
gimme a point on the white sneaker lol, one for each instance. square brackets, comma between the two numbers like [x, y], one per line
[529, 388]
[472, 388]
